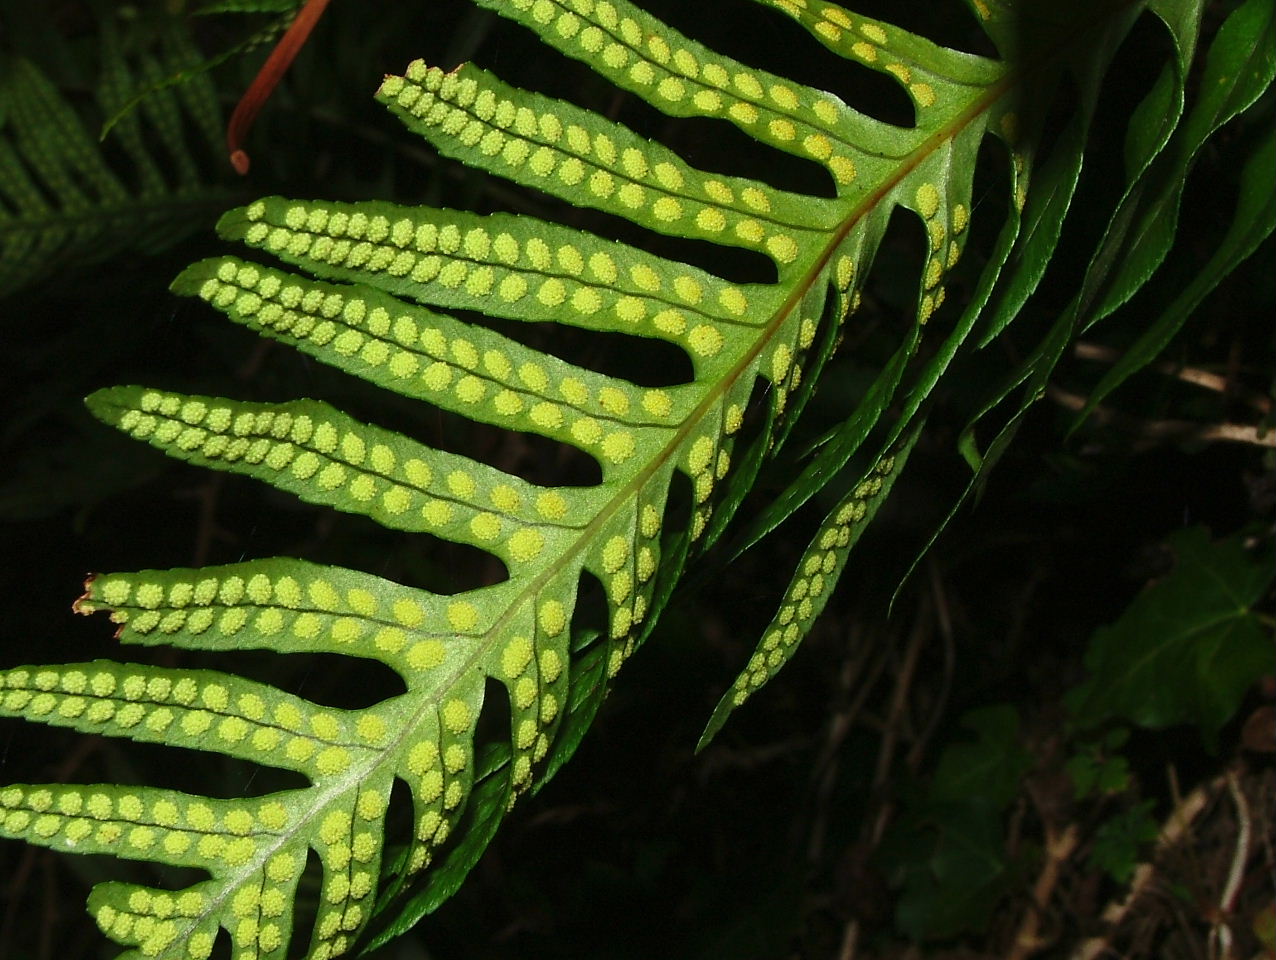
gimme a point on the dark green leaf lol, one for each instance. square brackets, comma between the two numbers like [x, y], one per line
[1188, 647]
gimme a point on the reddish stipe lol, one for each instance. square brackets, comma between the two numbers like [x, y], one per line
[267, 79]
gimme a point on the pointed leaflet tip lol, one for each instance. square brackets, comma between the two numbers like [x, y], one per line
[107, 404]
[817, 574]
[83, 604]
[188, 281]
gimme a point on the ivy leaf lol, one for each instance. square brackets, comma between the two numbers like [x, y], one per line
[948, 851]
[1118, 841]
[989, 767]
[1098, 768]
[1188, 647]
[955, 875]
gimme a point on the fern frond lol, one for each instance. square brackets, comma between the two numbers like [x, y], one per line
[64, 201]
[377, 290]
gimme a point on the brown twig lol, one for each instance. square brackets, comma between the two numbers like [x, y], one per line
[1059, 848]
[267, 79]
[1193, 375]
[1151, 431]
[850, 941]
[944, 620]
[1173, 830]
[860, 671]
[1220, 932]
[899, 697]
